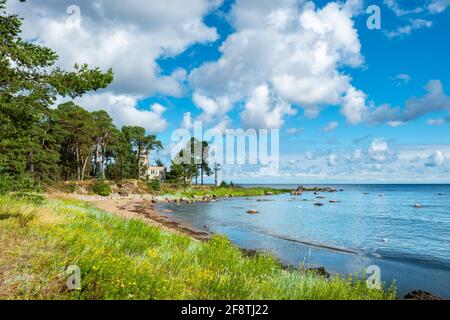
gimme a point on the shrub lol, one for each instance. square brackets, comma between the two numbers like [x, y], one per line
[9, 183]
[154, 185]
[36, 199]
[101, 188]
[224, 184]
[69, 187]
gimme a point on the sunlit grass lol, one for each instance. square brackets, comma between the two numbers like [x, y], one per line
[128, 259]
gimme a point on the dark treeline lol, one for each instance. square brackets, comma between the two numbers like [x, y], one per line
[40, 144]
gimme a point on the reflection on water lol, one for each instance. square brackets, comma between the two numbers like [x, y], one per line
[371, 224]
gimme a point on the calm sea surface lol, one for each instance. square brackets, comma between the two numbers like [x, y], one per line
[371, 225]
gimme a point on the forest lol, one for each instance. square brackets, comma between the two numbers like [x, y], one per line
[41, 143]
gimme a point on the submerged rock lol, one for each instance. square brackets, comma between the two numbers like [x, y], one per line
[420, 295]
[318, 204]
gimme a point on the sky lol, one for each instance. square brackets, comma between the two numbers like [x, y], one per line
[352, 104]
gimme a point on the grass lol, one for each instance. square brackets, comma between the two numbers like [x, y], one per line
[128, 259]
[220, 192]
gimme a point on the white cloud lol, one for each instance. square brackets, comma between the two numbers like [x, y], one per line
[292, 131]
[263, 110]
[434, 100]
[187, 121]
[438, 6]
[330, 126]
[394, 6]
[309, 155]
[437, 159]
[128, 37]
[354, 106]
[414, 24]
[401, 79]
[211, 108]
[284, 50]
[379, 150]
[357, 155]
[221, 126]
[436, 122]
[122, 109]
[332, 160]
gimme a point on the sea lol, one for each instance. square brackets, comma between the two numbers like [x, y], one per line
[403, 230]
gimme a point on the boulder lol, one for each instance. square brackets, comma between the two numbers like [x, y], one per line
[420, 295]
[318, 204]
[321, 271]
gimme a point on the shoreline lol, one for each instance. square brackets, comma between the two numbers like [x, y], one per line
[145, 208]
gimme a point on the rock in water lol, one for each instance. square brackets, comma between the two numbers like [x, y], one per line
[318, 204]
[420, 295]
[252, 211]
[321, 271]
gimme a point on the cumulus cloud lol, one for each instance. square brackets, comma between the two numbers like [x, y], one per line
[122, 109]
[128, 37]
[437, 159]
[264, 110]
[283, 53]
[330, 126]
[379, 150]
[354, 106]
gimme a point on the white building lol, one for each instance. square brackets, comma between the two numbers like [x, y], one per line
[155, 173]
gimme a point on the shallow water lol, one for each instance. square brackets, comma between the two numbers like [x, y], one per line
[372, 224]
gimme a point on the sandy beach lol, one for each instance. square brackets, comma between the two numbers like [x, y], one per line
[144, 209]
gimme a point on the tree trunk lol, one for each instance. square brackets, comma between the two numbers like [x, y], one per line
[84, 167]
[78, 163]
[201, 172]
[103, 160]
[139, 163]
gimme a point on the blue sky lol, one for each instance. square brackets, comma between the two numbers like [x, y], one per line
[351, 104]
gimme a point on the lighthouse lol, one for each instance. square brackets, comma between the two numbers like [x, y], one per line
[217, 178]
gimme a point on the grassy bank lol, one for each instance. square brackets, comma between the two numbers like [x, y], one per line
[220, 192]
[128, 259]
[127, 187]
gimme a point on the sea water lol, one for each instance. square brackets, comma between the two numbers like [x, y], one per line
[403, 229]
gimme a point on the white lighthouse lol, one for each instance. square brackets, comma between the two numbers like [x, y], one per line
[217, 177]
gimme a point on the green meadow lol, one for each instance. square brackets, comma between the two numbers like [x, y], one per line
[129, 259]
